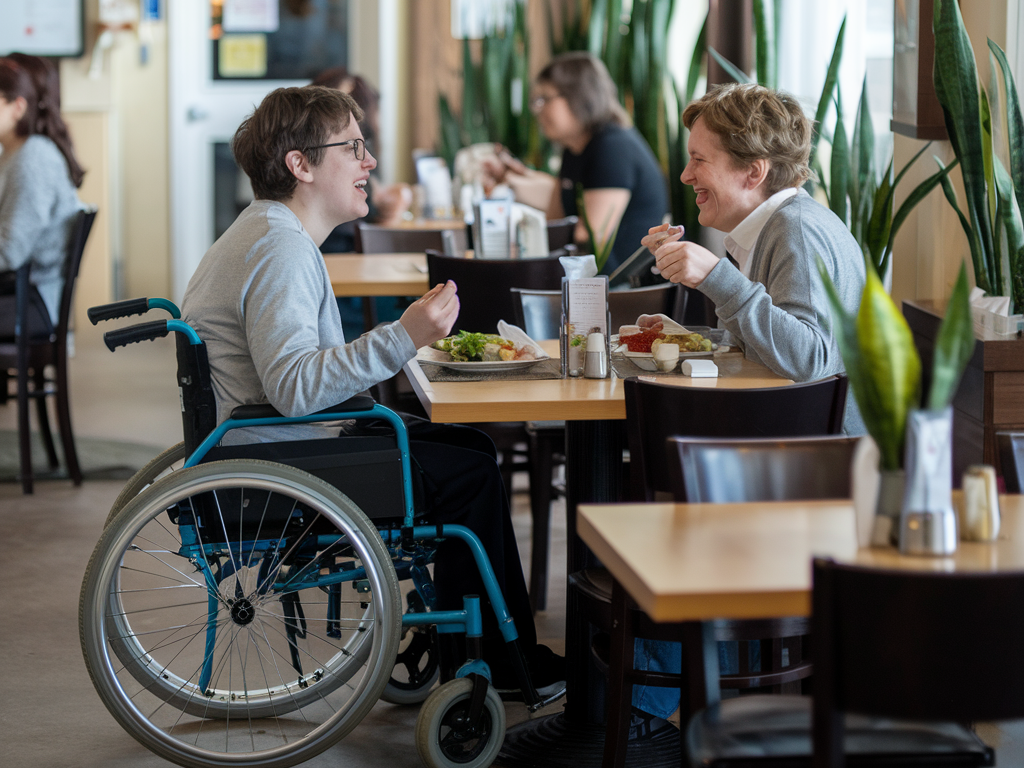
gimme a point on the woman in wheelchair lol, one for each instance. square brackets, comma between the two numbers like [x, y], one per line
[262, 301]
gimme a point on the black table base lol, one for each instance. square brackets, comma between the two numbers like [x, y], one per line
[554, 742]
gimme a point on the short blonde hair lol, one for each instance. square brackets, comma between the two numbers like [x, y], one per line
[755, 123]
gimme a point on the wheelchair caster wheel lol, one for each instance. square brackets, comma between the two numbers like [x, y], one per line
[444, 739]
[416, 668]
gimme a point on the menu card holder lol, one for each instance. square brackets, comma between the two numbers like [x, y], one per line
[492, 221]
[584, 311]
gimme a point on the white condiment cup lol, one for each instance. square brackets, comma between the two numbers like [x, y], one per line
[666, 357]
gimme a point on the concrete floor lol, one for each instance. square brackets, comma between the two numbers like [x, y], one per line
[51, 715]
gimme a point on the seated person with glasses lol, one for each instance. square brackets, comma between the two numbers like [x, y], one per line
[262, 301]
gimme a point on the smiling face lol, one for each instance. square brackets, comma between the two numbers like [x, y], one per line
[726, 192]
[342, 179]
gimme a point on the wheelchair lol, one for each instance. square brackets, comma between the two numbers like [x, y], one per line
[243, 606]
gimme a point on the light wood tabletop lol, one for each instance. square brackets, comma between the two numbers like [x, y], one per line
[377, 274]
[571, 399]
[696, 562]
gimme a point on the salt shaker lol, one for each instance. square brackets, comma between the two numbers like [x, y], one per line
[980, 520]
[595, 364]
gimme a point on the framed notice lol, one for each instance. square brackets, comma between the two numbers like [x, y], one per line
[43, 27]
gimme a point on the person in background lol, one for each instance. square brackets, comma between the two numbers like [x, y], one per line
[749, 150]
[386, 202]
[261, 299]
[39, 175]
[623, 188]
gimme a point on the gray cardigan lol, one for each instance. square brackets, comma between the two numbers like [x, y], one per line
[38, 205]
[781, 313]
[262, 301]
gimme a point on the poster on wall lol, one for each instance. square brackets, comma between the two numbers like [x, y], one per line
[43, 27]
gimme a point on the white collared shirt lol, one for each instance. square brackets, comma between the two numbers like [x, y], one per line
[741, 241]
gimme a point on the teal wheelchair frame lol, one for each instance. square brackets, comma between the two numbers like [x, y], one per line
[213, 618]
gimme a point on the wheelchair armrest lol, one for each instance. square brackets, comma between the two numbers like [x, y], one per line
[357, 403]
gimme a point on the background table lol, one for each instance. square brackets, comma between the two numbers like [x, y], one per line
[699, 562]
[377, 274]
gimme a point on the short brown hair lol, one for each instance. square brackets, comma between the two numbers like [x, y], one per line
[287, 119]
[755, 123]
[583, 81]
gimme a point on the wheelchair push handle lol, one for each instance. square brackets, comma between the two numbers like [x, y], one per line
[130, 307]
[147, 332]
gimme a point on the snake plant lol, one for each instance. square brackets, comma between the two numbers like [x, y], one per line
[994, 196]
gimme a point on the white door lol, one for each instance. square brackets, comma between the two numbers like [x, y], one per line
[204, 114]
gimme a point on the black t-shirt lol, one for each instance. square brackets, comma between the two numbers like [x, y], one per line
[618, 157]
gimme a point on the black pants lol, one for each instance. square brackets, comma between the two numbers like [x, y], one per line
[462, 485]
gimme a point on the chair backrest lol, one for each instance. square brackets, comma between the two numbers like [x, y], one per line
[656, 412]
[374, 239]
[1011, 459]
[914, 645]
[561, 231]
[484, 285]
[539, 313]
[76, 247]
[717, 470]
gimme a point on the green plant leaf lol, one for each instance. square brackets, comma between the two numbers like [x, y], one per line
[954, 345]
[839, 187]
[598, 22]
[877, 231]
[916, 195]
[831, 78]
[730, 69]
[1009, 220]
[956, 86]
[696, 59]
[1014, 124]
[980, 272]
[765, 51]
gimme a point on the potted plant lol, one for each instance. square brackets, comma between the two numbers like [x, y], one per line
[885, 369]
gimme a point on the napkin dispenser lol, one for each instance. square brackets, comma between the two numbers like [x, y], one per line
[700, 369]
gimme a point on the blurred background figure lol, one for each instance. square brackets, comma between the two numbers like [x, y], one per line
[605, 161]
[39, 175]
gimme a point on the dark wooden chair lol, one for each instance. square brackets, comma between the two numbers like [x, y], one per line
[539, 313]
[902, 659]
[371, 238]
[29, 342]
[561, 232]
[654, 414]
[1011, 459]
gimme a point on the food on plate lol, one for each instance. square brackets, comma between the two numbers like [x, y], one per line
[467, 347]
[651, 338]
[641, 342]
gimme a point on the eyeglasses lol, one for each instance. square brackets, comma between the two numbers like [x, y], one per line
[539, 102]
[358, 147]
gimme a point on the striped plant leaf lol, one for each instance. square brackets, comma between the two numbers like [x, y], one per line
[981, 278]
[840, 179]
[954, 345]
[831, 79]
[730, 69]
[916, 195]
[765, 49]
[1014, 123]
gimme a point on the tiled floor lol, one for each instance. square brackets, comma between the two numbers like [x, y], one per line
[51, 715]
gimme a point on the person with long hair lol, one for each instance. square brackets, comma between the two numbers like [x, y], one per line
[605, 161]
[39, 175]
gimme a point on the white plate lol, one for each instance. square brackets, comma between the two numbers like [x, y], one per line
[489, 367]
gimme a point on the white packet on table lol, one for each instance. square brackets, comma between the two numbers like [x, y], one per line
[518, 336]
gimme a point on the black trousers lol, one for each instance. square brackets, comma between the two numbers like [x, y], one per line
[462, 485]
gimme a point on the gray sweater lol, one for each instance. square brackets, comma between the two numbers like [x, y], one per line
[262, 301]
[781, 314]
[38, 204]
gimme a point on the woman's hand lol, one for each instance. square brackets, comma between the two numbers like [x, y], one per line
[678, 260]
[432, 316]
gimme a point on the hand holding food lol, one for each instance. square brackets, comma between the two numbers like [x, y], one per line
[431, 316]
[658, 236]
[684, 262]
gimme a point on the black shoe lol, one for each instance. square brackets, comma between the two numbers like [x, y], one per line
[547, 672]
[644, 727]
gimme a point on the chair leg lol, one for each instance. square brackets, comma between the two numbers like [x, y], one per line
[620, 692]
[24, 435]
[64, 413]
[541, 463]
[43, 416]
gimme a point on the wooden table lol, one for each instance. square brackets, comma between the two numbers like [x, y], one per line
[594, 411]
[377, 274]
[698, 562]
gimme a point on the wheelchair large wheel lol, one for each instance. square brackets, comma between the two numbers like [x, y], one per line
[240, 613]
[443, 738]
[169, 461]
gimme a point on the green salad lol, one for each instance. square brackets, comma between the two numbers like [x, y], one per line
[466, 347]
